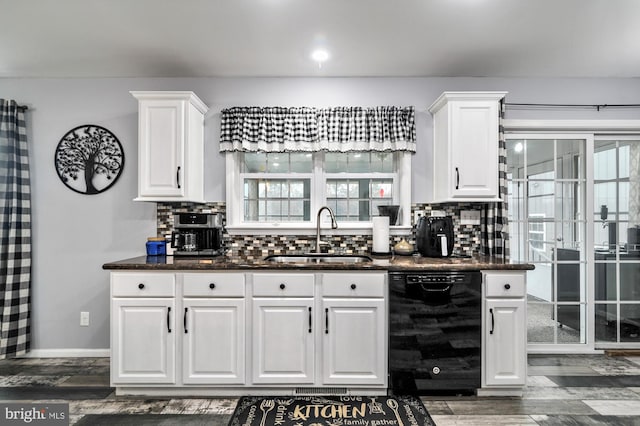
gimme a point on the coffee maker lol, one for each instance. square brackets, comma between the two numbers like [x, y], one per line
[197, 234]
[434, 236]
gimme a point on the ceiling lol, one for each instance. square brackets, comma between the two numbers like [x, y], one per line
[426, 38]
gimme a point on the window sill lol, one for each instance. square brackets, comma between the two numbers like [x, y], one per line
[306, 229]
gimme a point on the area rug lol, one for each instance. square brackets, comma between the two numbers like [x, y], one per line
[330, 411]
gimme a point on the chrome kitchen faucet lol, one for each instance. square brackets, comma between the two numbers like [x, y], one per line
[334, 225]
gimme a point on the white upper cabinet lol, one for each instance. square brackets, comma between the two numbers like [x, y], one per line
[465, 146]
[170, 146]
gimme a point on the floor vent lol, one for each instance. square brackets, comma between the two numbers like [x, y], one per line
[321, 391]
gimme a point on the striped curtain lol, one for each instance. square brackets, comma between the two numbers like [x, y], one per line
[494, 227]
[338, 129]
[15, 236]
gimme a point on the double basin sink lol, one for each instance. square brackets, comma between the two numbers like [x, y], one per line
[318, 258]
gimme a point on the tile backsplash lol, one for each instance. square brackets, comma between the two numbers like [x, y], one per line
[467, 237]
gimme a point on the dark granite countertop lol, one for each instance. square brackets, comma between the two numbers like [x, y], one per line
[396, 263]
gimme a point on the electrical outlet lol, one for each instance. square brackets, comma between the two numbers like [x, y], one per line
[417, 214]
[438, 213]
[469, 217]
[84, 319]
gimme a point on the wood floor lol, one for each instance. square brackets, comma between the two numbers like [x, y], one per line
[562, 390]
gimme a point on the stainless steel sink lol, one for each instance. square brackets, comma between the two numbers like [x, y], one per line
[318, 258]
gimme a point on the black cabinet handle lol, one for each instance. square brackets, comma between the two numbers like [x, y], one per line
[353, 286]
[168, 320]
[140, 286]
[282, 286]
[492, 321]
[185, 319]
[457, 178]
[326, 320]
[309, 319]
[507, 286]
[212, 286]
[178, 176]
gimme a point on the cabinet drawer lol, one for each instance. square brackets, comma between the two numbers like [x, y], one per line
[505, 285]
[353, 285]
[143, 285]
[213, 285]
[294, 285]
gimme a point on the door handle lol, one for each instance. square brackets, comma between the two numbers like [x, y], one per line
[185, 319]
[178, 176]
[457, 178]
[309, 319]
[492, 321]
[326, 320]
[168, 319]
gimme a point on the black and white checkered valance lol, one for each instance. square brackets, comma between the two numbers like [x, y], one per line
[15, 233]
[338, 129]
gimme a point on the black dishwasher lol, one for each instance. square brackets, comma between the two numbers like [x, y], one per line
[435, 332]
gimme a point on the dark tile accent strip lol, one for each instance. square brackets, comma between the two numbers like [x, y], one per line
[65, 393]
[587, 420]
[596, 381]
[153, 420]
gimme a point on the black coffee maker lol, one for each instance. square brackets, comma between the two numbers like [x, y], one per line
[434, 236]
[197, 234]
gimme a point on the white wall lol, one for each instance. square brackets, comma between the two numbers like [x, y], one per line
[75, 234]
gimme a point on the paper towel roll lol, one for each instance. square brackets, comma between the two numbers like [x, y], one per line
[380, 234]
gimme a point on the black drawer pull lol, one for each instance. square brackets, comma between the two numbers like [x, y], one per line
[353, 286]
[309, 319]
[140, 286]
[168, 320]
[178, 177]
[282, 286]
[457, 179]
[507, 286]
[212, 286]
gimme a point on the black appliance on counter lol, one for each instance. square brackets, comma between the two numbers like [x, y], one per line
[197, 234]
[434, 236]
[435, 332]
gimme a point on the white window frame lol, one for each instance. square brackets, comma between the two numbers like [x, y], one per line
[234, 199]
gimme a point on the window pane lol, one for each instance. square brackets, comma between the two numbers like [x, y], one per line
[273, 200]
[569, 323]
[254, 162]
[301, 162]
[277, 163]
[335, 162]
[540, 324]
[358, 162]
[606, 323]
[629, 323]
[352, 199]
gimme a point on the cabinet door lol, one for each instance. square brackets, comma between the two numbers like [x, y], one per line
[354, 343]
[213, 342]
[283, 340]
[143, 341]
[474, 149]
[505, 342]
[161, 141]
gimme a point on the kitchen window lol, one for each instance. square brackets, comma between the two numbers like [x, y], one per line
[284, 190]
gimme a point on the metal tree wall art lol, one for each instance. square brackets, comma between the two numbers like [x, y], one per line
[89, 159]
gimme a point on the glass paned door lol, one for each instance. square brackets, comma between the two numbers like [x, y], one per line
[616, 229]
[547, 204]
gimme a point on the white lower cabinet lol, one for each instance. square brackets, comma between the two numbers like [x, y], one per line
[504, 357]
[283, 350]
[243, 332]
[354, 344]
[213, 328]
[143, 342]
[213, 342]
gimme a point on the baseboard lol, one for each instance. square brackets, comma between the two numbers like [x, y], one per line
[68, 353]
